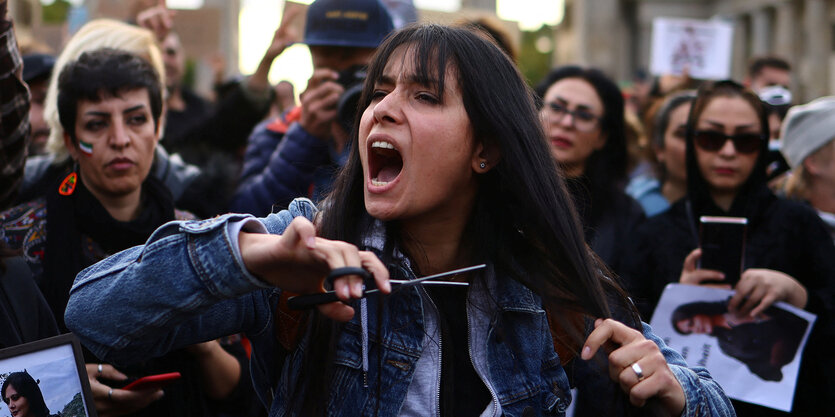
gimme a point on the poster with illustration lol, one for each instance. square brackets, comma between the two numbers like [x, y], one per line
[44, 379]
[754, 359]
[702, 47]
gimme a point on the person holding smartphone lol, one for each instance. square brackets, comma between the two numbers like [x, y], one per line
[788, 254]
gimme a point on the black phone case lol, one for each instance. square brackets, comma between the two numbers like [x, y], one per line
[722, 240]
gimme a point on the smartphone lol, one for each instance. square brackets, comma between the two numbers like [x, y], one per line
[152, 381]
[722, 240]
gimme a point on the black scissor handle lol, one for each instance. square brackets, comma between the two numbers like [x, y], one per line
[348, 270]
[307, 301]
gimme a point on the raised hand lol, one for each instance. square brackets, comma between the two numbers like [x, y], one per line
[158, 19]
[284, 36]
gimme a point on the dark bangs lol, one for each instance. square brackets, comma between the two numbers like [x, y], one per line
[430, 55]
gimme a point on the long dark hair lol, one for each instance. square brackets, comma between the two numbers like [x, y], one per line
[28, 388]
[523, 219]
[690, 310]
[698, 190]
[606, 167]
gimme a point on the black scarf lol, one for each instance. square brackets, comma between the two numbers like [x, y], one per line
[583, 192]
[70, 218]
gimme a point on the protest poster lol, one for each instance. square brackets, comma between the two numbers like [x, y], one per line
[703, 47]
[49, 373]
[756, 360]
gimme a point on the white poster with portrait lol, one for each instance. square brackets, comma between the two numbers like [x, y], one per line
[703, 47]
[756, 360]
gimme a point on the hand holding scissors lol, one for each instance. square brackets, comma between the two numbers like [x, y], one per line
[298, 261]
[311, 300]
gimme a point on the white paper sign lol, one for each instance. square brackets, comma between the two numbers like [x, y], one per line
[702, 46]
[755, 360]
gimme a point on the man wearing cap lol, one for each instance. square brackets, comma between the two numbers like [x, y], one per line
[807, 144]
[299, 153]
[37, 68]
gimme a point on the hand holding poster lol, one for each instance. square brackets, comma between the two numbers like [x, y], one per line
[701, 47]
[756, 360]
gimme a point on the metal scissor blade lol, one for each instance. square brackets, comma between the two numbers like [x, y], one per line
[306, 301]
[398, 283]
[408, 283]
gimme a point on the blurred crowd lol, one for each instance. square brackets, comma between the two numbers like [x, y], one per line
[101, 143]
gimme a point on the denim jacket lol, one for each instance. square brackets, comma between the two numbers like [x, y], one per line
[188, 284]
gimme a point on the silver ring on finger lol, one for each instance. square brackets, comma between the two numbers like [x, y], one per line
[639, 372]
[110, 394]
[99, 368]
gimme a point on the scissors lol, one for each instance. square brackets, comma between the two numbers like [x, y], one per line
[306, 301]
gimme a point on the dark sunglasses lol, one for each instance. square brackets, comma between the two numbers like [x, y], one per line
[713, 141]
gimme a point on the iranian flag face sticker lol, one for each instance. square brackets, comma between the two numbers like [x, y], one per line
[85, 147]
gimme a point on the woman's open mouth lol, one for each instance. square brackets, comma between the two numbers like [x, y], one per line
[384, 163]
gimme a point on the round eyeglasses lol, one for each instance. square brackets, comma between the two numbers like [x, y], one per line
[582, 119]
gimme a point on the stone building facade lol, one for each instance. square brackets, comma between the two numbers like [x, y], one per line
[206, 31]
[615, 35]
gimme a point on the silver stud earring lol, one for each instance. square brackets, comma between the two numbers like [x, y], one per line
[482, 165]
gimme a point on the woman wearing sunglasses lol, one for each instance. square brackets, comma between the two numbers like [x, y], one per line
[788, 255]
[583, 117]
[441, 176]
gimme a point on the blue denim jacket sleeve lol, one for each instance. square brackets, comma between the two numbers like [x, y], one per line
[186, 285]
[703, 395]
